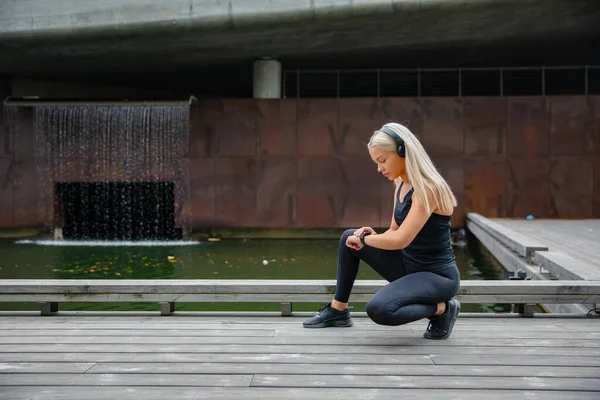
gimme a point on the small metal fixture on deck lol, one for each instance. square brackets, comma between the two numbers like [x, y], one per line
[516, 276]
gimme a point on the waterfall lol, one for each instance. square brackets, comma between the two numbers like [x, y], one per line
[112, 171]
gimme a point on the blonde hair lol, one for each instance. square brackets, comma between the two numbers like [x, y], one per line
[421, 171]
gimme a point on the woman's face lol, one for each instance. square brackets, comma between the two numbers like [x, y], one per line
[389, 163]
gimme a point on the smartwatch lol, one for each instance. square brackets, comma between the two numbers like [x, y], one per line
[362, 237]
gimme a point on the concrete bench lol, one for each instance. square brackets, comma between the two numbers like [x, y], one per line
[49, 293]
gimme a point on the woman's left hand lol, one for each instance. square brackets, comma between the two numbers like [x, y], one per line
[354, 242]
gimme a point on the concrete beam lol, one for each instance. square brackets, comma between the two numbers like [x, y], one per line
[56, 89]
[31, 17]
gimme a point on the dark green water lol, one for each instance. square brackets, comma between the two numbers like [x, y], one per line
[227, 259]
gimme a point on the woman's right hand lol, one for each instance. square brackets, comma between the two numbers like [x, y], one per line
[365, 229]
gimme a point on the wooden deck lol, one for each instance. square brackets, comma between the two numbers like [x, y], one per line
[199, 356]
[572, 244]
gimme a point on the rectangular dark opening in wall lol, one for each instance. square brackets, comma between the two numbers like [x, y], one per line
[439, 83]
[117, 210]
[290, 84]
[398, 83]
[318, 84]
[522, 82]
[593, 81]
[566, 81]
[358, 83]
[480, 82]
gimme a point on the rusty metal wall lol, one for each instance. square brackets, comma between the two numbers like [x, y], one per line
[304, 163]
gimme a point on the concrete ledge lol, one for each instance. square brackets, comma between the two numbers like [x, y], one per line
[524, 246]
[19, 17]
[556, 263]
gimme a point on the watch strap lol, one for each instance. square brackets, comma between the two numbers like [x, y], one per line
[362, 237]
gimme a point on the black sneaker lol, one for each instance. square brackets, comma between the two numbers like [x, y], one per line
[440, 327]
[327, 317]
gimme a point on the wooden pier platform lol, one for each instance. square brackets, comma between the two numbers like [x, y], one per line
[566, 249]
[577, 242]
[244, 356]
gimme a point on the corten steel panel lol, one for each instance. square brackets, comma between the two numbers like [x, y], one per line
[404, 111]
[485, 186]
[321, 191]
[528, 187]
[485, 126]
[276, 200]
[236, 192]
[443, 126]
[528, 130]
[572, 126]
[597, 187]
[6, 139]
[596, 138]
[337, 192]
[199, 210]
[359, 204]
[359, 118]
[31, 195]
[224, 128]
[452, 171]
[24, 134]
[6, 192]
[386, 203]
[318, 133]
[276, 127]
[571, 187]
[201, 136]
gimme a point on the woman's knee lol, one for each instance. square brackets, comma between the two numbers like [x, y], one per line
[347, 233]
[378, 312]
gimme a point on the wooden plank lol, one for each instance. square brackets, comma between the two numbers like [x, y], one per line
[198, 348]
[186, 320]
[369, 326]
[115, 330]
[441, 382]
[224, 358]
[275, 393]
[585, 343]
[465, 295]
[337, 369]
[387, 334]
[250, 286]
[241, 318]
[186, 337]
[43, 368]
[575, 361]
[583, 243]
[69, 338]
[123, 380]
[455, 335]
[564, 266]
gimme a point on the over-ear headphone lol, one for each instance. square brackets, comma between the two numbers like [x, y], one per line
[401, 148]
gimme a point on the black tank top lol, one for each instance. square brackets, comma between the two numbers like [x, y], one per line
[431, 250]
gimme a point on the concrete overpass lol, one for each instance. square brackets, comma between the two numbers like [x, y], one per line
[171, 42]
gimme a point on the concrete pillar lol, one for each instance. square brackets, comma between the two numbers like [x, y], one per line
[267, 79]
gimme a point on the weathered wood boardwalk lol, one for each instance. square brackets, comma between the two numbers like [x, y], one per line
[565, 249]
[579, 239]
[195, 356]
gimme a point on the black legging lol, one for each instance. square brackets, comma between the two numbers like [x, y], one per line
[407, 298]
